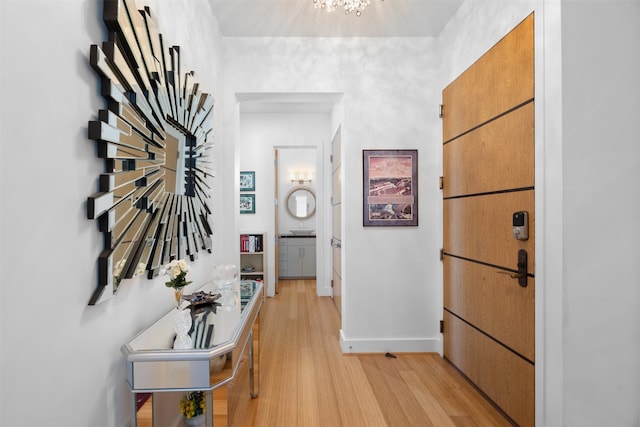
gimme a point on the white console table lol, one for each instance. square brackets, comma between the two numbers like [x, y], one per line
[153, 366]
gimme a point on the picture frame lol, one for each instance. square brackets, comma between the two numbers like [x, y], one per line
[390, 188]
[247, 203]
[247, 181]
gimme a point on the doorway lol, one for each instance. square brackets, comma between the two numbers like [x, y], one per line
[296, 176]
[287, 121]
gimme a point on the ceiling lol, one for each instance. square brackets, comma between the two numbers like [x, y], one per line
[299, 18]
[299, 102]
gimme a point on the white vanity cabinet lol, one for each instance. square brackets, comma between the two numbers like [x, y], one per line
[297, 257]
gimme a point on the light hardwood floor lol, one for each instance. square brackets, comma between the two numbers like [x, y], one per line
[305, 380]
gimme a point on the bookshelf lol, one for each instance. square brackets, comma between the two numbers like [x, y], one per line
[253, 260]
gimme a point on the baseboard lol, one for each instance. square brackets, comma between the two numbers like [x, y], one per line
[391, 345]
[324, 292]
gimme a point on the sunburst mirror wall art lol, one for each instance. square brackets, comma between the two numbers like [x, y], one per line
[155, 138]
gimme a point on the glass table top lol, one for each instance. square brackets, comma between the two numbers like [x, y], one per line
[209, 329]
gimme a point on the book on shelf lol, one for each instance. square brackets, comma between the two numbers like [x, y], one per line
[251, 243]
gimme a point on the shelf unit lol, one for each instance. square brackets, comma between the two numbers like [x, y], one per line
[253, 253]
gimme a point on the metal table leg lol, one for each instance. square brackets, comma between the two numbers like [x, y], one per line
[134, 403]
[252, 382]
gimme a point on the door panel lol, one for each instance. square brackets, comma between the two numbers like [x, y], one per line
[335, 188]
[506, 144]
[336, 277]
[335, 259]
[277, 219]
[488, 175]
[493, 302]
[336, 219]
[499, 81]
[508, 380]
[481, 228]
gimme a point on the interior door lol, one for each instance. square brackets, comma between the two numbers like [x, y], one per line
[488, 176]
[277, 220]
[336, 220]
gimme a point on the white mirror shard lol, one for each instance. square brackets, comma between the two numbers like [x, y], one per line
[302, 206]
[155, 137]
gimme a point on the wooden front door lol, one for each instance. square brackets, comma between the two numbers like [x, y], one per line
[488, 175]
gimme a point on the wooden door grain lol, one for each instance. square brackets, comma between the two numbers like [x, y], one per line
[488, 175]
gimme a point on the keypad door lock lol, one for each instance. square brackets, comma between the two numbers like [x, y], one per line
[520, 225]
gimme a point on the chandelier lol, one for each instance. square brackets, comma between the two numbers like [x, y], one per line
[349, 6]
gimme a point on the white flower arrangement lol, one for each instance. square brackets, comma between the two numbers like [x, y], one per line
[177, 271]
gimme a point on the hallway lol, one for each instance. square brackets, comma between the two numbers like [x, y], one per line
[305, 380]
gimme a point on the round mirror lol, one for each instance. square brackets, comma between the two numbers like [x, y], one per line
[301, 202]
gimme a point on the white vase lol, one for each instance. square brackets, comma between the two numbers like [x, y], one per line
[181, 325]
[198, 420]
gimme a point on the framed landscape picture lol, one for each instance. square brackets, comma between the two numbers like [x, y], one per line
[390, 192]
[247, 203]
[247, 181]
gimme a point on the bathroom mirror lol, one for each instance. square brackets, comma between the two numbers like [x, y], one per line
[301, 202]
[154, 137]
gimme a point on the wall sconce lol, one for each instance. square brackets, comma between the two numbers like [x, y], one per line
[300, 177]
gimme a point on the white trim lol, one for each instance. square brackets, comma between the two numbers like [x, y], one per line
[382, 345]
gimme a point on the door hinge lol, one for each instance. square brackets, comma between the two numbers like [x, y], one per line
[330, 158]
[441, 182]
[442, 326]
[441, 254]
[441, 111]
[331, 283]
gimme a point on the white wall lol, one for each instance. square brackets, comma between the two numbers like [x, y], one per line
[60, 359]
[259, 134]
[390, 278]
[601, 152]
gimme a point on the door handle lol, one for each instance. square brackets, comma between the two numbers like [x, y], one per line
[512, 275]
[522, 274]
[335, 244]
